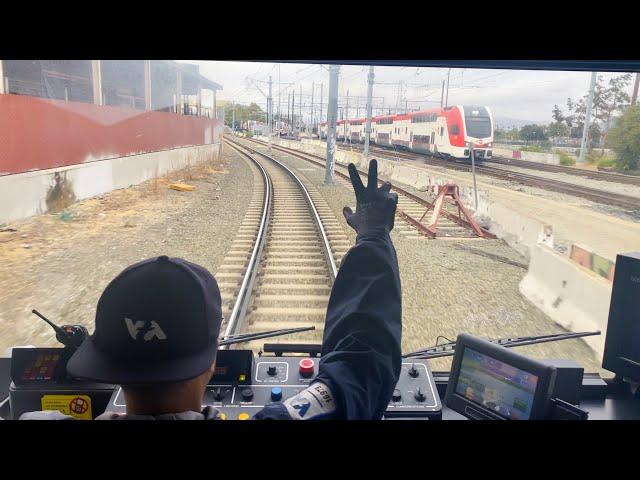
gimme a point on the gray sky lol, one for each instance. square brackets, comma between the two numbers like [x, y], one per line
[517, 94]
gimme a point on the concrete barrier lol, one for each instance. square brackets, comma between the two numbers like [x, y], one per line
[571, 295]
[32, 193]
[598, 264]
[521, 233]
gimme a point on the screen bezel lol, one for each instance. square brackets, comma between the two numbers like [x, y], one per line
[614, 357]
[20, 356]
[542, 395]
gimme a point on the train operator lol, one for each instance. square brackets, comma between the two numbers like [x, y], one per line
[157, 325]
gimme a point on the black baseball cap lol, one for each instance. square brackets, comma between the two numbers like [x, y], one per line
[158, 321]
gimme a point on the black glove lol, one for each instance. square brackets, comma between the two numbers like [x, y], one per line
[375, 207]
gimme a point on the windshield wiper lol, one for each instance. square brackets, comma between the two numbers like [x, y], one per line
[246, 337]
[448, 349]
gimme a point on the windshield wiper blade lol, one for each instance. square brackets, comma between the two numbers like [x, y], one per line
[246, 337]
[448, 349]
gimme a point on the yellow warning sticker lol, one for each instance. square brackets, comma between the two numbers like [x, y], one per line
[78, 406]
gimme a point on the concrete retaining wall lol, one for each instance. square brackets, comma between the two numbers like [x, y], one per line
[32, 193]
[571, 295]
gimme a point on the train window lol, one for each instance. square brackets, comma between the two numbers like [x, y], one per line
[149, 99]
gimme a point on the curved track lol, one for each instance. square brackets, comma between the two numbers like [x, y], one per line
[284, 259]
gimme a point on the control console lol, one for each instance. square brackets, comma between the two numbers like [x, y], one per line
[243, 384]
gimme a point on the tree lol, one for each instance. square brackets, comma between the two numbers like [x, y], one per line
[624, 138]
[607, 100]
[557, 115]
[242, 113]
[558, 129]
[532, 133]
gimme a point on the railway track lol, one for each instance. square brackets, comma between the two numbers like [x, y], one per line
[410, 206]
[280, 268]
[591, 174]
[596, 195]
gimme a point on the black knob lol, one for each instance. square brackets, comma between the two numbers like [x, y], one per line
[413, 372]
[419, 396]
[218, 394]
[397, 395]
[247, 394]
[272, 370]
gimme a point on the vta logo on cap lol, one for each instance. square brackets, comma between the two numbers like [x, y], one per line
[151, 329]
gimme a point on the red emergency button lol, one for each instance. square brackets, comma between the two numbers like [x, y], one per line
[306, 367]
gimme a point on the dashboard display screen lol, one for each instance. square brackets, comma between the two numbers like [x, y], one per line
[497, 386]
[41, 367]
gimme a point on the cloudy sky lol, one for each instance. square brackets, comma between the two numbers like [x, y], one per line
[517, 94]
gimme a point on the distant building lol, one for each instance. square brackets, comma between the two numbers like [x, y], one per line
[158, 85]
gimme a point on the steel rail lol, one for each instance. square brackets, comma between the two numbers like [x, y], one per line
[244, 294]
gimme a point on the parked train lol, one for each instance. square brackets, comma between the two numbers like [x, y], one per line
[439, 131]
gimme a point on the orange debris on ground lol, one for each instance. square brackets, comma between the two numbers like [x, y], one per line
[182, 187]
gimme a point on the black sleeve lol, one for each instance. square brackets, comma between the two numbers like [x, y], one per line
[361, 356]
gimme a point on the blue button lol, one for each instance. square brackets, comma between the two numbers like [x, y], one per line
[276, 394]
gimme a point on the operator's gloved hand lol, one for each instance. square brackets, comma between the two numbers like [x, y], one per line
[375, 207]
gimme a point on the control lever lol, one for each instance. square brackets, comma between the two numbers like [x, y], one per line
[71, 336]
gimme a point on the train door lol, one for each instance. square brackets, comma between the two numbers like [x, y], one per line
[432, 141]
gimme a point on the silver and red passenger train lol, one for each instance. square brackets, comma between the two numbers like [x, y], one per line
[443, 132]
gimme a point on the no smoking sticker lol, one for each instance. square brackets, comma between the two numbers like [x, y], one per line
[78, 406]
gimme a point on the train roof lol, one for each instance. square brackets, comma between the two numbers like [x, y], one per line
[406, 116]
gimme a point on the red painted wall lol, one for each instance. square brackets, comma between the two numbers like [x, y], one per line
[37, 133]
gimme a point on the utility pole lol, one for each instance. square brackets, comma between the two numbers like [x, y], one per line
[346, 117]
[446, 102]
[442, 95]
[279, 89]
[332, 113]
[321, 99]
[233, 117]
[269, 113]
[634, 96]
[312, 92]
[367, 134]
[587, 119]
[293, 110]
[300, 111]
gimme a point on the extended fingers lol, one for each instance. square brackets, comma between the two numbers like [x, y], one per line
[356, 181]
[373, 175]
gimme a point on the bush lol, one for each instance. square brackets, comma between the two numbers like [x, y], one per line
[624, 139]
[606, 162]
[532, 148]
[566, 159]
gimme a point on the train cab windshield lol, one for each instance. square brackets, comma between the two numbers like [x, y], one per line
[516, 211]
[478, 122]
